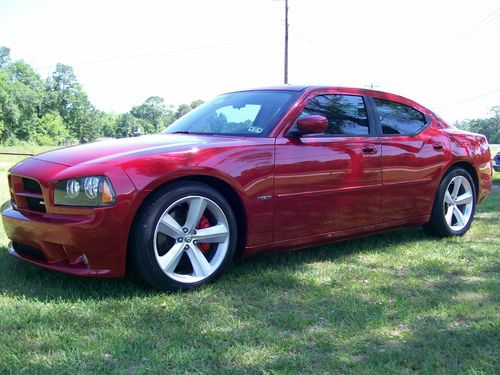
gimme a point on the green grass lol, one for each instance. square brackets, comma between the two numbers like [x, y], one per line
[396, 303]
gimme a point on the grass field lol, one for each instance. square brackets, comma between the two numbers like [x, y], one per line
[395, 303]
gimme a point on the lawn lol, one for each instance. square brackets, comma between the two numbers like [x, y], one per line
[394, 303]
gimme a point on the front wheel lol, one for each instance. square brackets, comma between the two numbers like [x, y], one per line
[454, 206]
[184, 237]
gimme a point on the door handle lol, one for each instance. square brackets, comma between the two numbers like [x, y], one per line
[438, 146]
[369, 149]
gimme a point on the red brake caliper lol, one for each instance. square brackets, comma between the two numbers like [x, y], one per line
[204, 223]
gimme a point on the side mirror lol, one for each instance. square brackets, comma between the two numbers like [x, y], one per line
[313, 124]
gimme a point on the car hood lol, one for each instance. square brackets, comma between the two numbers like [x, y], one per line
[120, 149]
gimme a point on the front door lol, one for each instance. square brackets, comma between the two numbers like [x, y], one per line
[328, 182]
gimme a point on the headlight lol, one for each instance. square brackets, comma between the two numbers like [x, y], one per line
[92, 191]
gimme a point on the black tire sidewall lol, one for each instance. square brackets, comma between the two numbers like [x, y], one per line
[141, 244]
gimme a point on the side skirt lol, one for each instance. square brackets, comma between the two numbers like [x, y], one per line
[304, 242]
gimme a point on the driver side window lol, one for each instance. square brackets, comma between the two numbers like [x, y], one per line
[346, 114]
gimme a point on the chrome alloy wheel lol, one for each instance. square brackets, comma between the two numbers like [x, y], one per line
[185, 250]
[458, 203]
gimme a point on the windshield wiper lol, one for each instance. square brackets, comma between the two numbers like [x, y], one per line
[188, 132]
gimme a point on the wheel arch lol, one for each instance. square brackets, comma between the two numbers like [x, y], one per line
[469, 167]
[221, 186]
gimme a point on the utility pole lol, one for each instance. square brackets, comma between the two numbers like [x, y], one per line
[286, 42]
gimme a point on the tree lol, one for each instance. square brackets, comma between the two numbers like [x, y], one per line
[489, 127]
[66, 96]
[196, 103]
[8, 107]
[108, 124]
[58, 110]
[182, 109]
[21, 93]
[4, 57]
[154, 113]
[90, 125]
[129, 126]
[51, 130]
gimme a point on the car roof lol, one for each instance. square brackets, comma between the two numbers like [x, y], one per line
[352, 90]
[320, 87]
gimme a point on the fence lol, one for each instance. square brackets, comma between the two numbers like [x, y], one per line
[16, 153]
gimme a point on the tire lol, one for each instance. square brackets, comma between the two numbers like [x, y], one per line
[454, 206]
[184, 236]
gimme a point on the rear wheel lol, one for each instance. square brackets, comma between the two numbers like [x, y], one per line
[455, 204]
[184, 237]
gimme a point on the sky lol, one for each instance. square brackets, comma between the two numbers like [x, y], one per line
[443, 54]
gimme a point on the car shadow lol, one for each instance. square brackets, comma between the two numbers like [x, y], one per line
[29, 281]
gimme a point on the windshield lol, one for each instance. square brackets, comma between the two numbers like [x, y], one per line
[247, 113]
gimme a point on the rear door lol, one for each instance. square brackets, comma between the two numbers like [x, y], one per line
[331, 181]
[414, 153]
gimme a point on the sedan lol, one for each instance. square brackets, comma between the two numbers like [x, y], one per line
[496, 162]
[252, 171]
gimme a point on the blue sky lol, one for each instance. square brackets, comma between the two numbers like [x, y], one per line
[443, 54]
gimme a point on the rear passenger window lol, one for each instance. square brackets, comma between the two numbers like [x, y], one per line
[397, 118]
[346, 114]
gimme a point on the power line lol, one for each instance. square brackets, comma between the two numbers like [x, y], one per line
[461, 37]
[468, 99]
[130, 57]
[471, 30]
[488, 35]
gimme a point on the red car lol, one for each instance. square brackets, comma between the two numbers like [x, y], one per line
[248, 172]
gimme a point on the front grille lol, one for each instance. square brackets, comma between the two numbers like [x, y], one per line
[31, 185]
[28, 250]
[26, 194]
[36, 204]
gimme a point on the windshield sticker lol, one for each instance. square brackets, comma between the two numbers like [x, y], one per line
[255, 129]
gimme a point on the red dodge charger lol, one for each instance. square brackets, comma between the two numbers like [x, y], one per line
[250, 171]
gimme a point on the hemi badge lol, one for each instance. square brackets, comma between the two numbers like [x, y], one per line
[264, 197]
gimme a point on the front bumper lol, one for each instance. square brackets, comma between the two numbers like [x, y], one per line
[83, 246]
[76, 240]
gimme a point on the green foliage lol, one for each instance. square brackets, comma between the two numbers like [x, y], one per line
[58, 111]
[4, 57]
[185, 108]
[490, 127]
[154, 113]
[51, 131]
[152, 116]
[108, 124]
[129, 126]
[196, 103]
[66, 96]
[21, 94]
[182, 110]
